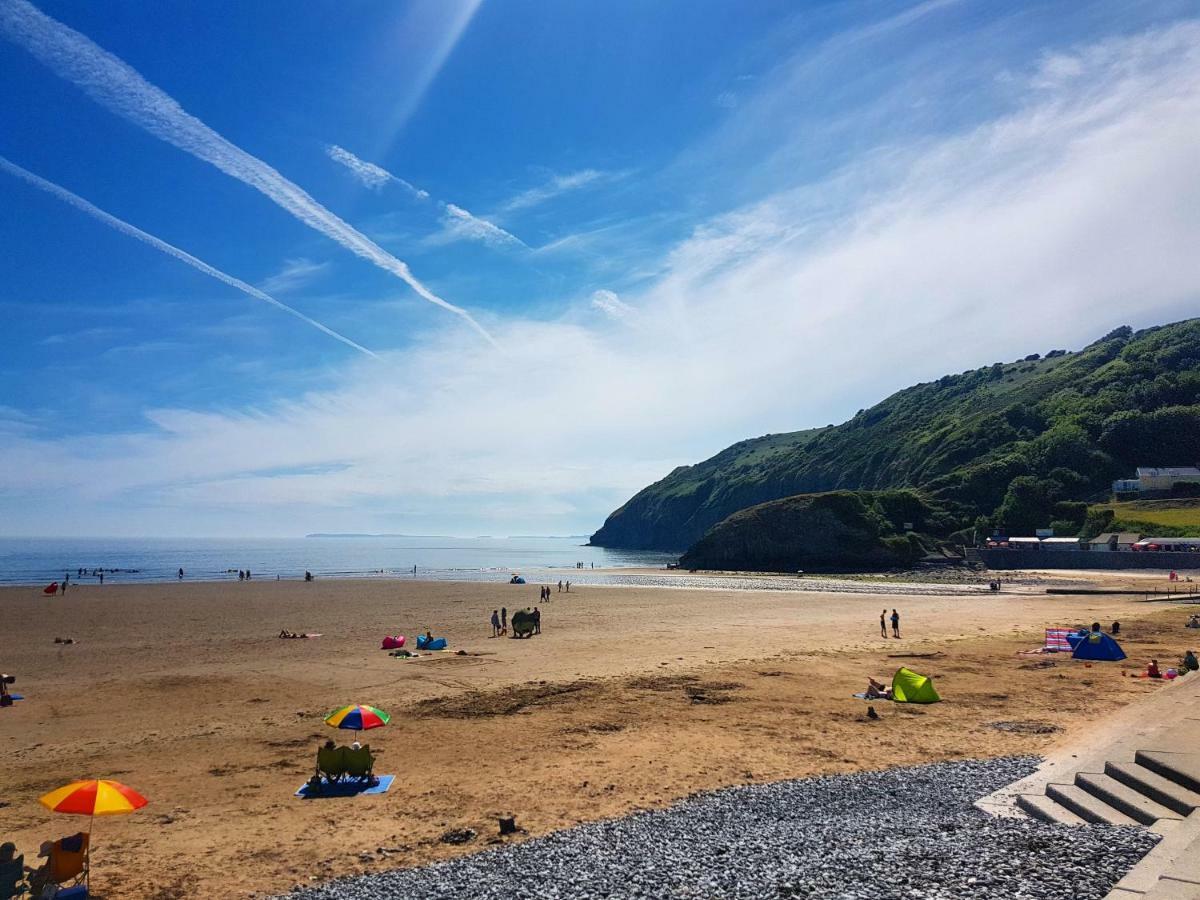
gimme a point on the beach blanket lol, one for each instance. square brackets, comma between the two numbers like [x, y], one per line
[349, 788]
[862, 695]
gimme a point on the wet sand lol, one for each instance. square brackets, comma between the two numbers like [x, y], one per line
[632, 697]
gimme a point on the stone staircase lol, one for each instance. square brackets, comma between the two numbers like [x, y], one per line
[1149, 790]
[1139, 767]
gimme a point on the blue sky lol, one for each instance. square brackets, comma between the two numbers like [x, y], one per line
[653, 229]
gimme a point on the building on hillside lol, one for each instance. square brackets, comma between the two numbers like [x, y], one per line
[1157, 480]
[1060, 543]
[1112, 541]
[1168, 544]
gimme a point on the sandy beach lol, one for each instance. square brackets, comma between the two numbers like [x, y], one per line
[632, 697]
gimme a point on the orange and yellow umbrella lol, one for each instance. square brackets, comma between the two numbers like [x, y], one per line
[94, 798]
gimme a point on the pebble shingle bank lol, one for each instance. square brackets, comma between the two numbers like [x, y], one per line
[900, 834]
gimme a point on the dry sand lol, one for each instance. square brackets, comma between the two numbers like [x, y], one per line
[632, 697]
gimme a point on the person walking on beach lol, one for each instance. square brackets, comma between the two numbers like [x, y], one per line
[102, 576]
[537, 621]
[560, 585]
[895, 624]
[504, 620]
[883, 623]
[568, 587]
[495, 623]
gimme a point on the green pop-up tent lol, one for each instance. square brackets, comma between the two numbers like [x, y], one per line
[909, 687]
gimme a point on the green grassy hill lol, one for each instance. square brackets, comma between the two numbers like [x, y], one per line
[1019, 444]
[1156, 518]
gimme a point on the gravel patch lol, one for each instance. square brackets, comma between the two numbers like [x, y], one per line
[900, 834]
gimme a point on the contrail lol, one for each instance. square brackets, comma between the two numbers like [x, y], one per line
[118, 86]
[133, 231]
[458, 221]
[369, 174]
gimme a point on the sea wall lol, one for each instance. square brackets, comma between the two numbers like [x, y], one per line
[996, 558]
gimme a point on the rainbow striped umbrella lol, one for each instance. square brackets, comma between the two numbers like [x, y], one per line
[94, 798]
[357, 718]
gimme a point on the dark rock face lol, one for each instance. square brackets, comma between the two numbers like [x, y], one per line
[812, 532]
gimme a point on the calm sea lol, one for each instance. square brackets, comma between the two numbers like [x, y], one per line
[42, 560]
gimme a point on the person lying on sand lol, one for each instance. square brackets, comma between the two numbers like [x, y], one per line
[877, 691]
[284, 633]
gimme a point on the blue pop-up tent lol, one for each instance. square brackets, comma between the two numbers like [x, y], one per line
[1098, 646]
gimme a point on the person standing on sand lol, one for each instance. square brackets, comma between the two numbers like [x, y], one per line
[568, 587]
[504, 620]
[895, 624]
[883, 623]
[537, 621]
[560, 585]
[181, 573]
[102, 576]
[495, 623]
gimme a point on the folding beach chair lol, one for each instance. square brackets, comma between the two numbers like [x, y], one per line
[67, 867]
[360, 764]
[331, 763]
[12, 878]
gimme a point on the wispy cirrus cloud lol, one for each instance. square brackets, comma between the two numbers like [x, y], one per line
[118, 87]
[609, 303]
[294, 274]
[158, 244]
[557, 184]
[457, 223]
[369, 174]
[460, 225]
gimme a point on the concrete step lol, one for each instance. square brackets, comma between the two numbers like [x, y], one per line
[1170, 889]
[1181, 768]
[1041, 807]
[1086, 806]
[1123, 798]
[1170, 794]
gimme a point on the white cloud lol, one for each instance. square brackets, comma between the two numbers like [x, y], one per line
[1077, 211]
[294, 274]
[612, 305]
[558, 184]
[369, 174]
[460, 225]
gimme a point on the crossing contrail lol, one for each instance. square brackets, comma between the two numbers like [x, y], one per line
[171, 250]
[119, 87]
